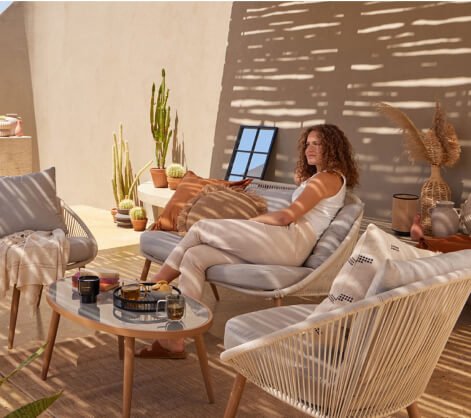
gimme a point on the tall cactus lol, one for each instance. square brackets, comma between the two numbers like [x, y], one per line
[160, 122]
[124, 181]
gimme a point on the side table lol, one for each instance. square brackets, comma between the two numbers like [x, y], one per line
[127, 326]
[153, 198]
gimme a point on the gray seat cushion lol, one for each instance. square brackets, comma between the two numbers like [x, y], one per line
[81, 249]
[248, 327]
[334, 234]
[158, 244]
[256, 276]
[30, 202]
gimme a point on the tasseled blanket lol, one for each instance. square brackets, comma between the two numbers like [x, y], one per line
[29, 259]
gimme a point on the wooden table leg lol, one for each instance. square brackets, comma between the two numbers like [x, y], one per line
[203, 357]
[15, 301]
[121, 347]
[51, 339]
[128, 375]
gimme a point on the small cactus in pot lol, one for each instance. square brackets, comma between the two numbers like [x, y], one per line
[123, 219]
[175, 173]
[126, 205]
[138, 218]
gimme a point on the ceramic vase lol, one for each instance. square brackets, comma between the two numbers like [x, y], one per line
[466, 214]
[433, 190]
[445, 219]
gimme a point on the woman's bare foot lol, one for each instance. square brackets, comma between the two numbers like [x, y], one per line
[164, 349]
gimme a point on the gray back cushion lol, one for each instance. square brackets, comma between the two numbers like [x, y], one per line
[30, 202]
[334, 234]
[276, 199]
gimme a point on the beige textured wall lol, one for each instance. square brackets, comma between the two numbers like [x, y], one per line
[16, 95]
[92, 67]
[296, 64]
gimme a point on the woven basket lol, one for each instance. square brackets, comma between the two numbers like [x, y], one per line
[434, 189]
[7, 126]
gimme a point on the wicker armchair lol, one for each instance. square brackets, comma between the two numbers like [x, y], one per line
[369, 359]
[318, 280]
[314, 278]
[83, 249]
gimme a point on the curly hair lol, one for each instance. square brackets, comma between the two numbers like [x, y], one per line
[336, 152]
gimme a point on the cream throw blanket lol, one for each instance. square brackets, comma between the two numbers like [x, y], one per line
[30, 259]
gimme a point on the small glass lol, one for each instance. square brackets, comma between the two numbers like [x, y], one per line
[131, 291]
[175, 307]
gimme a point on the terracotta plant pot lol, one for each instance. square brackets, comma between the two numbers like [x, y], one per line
[159, 178]
[114, 211]
[139, 224]
[173, 182]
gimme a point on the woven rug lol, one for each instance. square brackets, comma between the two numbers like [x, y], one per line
[90, 372]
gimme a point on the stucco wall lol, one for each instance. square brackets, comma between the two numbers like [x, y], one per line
[92, 67]
[16, 95]
[296, 64]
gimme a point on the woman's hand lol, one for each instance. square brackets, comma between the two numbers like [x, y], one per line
[278, 218]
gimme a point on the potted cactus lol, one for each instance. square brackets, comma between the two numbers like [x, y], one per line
[123, 219]
[175, 173]
[138, 218]
[124, 181]
[161, 132]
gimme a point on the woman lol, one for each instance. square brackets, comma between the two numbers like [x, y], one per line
[286, 237]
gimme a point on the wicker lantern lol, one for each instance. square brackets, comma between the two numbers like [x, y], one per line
[438, 146]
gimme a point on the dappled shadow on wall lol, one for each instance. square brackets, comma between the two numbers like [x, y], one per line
[292, 65]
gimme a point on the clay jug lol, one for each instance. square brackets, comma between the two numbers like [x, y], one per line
[445, 219]
[466, 214]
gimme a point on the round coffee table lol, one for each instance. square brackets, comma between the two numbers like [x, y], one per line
[104, 316]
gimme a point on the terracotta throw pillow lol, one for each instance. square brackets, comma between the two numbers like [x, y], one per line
[220, 202]
[189, 187]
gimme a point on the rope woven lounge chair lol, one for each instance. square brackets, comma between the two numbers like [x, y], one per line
[83, 250]
[370, 358]
[314, 278]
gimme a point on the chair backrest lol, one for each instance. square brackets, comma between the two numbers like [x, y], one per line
[394, 341]
[371, 358]
[277, 195]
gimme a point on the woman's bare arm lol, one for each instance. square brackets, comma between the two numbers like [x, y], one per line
[320, 187]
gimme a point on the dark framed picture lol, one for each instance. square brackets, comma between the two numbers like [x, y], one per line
[251, 152]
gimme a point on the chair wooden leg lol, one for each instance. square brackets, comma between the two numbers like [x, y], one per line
[215, 291]
[15, 302]
[145, 271]
[413, 410]
[277, 301]
[234, 398]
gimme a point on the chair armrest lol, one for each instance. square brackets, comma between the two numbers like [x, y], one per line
[75, 226]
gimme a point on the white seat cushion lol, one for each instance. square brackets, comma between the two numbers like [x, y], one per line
[248, 327]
